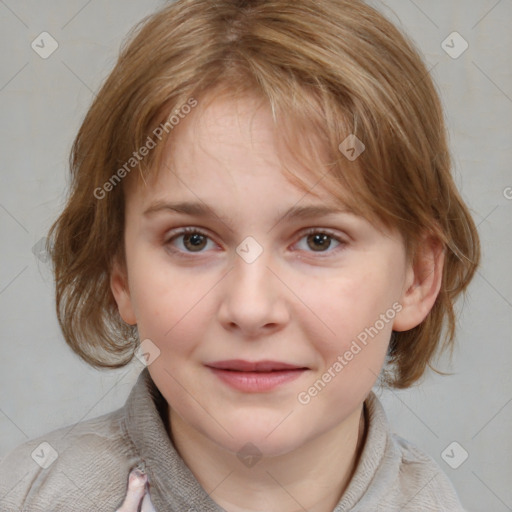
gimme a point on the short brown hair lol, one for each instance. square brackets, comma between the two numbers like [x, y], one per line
[327, 70]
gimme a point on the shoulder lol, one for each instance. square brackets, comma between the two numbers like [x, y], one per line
[420, 484]
[85, 465]
[395, 475]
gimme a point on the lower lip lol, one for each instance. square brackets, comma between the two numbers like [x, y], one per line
[256, 382]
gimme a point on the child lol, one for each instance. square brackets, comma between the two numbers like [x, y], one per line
[262, 207]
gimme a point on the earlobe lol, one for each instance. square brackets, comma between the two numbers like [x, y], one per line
[121, 292]
[422, 284]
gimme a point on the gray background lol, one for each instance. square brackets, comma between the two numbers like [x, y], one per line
[43, 386]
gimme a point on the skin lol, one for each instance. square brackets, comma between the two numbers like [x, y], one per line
[137, 496]
[300, 302]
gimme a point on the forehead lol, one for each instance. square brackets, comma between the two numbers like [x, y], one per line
[234, 135]
[230, 146]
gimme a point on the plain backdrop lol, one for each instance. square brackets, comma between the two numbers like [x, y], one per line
[43, 385]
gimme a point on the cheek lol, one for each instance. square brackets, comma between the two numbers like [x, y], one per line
[351, 346]
[169, 302]
[353, 318]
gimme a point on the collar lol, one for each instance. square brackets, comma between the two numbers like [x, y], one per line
[173, 487]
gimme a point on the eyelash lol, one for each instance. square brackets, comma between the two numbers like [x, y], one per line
[310, 231]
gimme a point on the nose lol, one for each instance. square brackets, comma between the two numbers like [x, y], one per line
[254, 297]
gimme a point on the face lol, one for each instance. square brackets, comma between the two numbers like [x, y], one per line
[320, 292]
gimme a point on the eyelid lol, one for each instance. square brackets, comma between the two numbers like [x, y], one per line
[326, 231]
[173, 233]
[177, 232]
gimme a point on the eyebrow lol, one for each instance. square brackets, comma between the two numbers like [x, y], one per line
[204, 210]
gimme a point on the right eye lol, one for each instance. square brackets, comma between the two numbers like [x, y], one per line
[193, 240]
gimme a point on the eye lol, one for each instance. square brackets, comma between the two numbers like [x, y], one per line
[318, 240]
[193, 240]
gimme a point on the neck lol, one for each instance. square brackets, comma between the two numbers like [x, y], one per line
[312, 477]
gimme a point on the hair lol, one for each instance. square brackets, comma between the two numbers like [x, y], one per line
[326, 70]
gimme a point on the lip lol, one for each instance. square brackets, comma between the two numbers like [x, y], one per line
[253, 366]
[255, 377]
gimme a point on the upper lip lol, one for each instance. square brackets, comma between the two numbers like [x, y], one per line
[253, 366]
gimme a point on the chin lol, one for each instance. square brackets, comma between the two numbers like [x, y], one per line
[262, 442]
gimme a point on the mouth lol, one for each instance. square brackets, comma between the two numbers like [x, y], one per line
[255, 377]
[239, 365]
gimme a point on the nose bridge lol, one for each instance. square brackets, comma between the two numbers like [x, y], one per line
[251, 262]
[252, 296]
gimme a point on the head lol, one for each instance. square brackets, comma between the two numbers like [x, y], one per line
[244, 106]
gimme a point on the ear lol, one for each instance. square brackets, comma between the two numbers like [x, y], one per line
[121, 292]
[422, 284]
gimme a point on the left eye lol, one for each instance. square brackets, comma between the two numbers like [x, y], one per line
[320, 241]
[194, 241]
